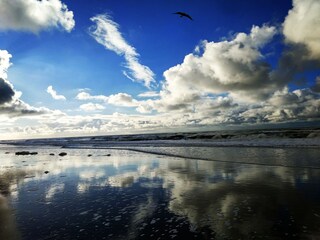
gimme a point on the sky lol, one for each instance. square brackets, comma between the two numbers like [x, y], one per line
[98, 67]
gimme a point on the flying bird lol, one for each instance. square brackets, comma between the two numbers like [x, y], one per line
[183, 14]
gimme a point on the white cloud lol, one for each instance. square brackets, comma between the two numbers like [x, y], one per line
[298, 104]
[234, 68]
[106, 32]
[301, 26]
[145, 107]
[87, 96]
[149, 94]
[119, 99]
[283, 106]
[122, 99]
[78, 125]
[54, 94]
[92, 107]
[83, 89]
[34, 15]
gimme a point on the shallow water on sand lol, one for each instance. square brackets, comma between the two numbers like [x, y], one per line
[132, 195]
[269, 156]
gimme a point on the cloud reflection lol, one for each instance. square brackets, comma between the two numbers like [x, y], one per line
[229, 199]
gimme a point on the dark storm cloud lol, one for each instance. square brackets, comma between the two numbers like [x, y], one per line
[18, 108]
[294, 60]
[6, 92]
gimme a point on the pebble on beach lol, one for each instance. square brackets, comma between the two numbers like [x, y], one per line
[62, 154]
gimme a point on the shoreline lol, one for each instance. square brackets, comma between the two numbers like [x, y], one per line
[202, 151]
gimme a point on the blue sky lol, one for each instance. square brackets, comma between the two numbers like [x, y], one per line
[101, 67]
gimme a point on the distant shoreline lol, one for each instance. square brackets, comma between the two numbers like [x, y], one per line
[238, 138]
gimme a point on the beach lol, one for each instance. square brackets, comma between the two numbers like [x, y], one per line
[193, 190]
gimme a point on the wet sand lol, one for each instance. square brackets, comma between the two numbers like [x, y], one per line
[122, 194]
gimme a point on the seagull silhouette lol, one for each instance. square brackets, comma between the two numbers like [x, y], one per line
[183, 14]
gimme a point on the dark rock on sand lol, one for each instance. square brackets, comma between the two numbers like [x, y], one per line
[26, 153]
[46, 172]
[62, 154]
[7, 152]
[89, 155]
[51, 154]
[22, 153]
